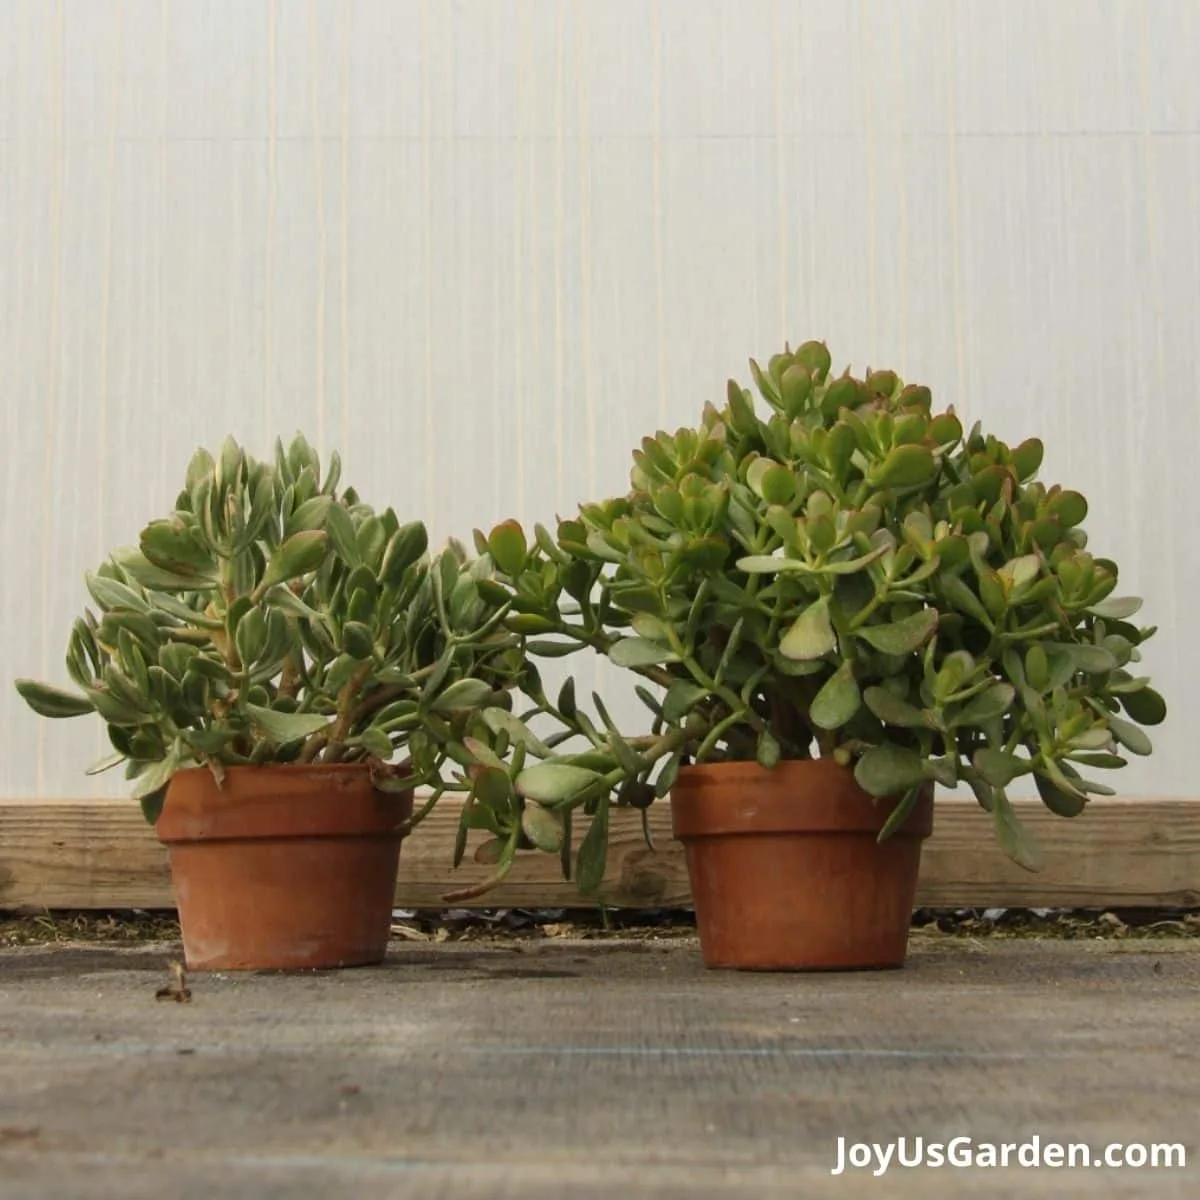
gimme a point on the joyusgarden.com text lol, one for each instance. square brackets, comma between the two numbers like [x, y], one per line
[880, 1157]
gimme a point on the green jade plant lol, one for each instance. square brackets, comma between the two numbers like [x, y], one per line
[852, 576]
[272, 619]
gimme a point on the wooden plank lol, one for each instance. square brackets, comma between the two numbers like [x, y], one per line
[1122, 852]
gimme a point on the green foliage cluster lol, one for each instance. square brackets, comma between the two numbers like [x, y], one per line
[848, 573]
[272, 618]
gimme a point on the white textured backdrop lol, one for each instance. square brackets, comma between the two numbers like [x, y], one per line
[481, 247]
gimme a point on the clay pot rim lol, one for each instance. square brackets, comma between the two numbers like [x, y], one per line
[797, 797]
[312, 800]
[256, 768]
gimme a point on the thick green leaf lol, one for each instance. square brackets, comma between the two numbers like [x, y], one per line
[358, 640]
[741, 409]
[1116, 608]
[1027, 458]
[152, 805]
[757, 471]
[795, 389]
[489, 853]
[543, 827]
[1013, 837]
[544, 648]
[482, 753]
[998, 767]
[462, 693]
[945, 428]
[157, 776]
[112, 594]
[889, 770]
[767, 564]
[497, 719]
[815, 356]
[106, 764]
[891, 710]
[48, 701]
[340, 526]
[183, 611]
[995, 599]
[250, 636]
[1062, 802]
[981, 788]
[850, 566]
[174, 546]
[838, 700]
[285, 600]
[944, 770]
[1131, 736]
[767, 752]
[300, 554]
[371, 538]
[140, 568]
[992, 702]
[1069, 507]
[1096, 738]
[1093, 660]
[621, 750]
[374, 741]
[637, 652]
[811, 635]
[778, 485]
[1037, 667]
[553, 783]
[493, 789]
[905, 466]
[200, 465]
[682, 696]
[960, 596]
[1106, 762]
[593, 852]
[1019, 572]
[475, 816]
[903, 636]
[283, 727]
[1145, 706]
[649, 627]
[404, 548]
[900, 813]
[309, 515]
[508, 547]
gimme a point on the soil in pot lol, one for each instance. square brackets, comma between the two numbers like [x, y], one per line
[283, 867]
[786, 871]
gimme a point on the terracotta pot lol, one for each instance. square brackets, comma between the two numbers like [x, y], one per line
[785, 870]
[283, 867]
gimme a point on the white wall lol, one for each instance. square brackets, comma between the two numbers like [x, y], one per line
[482, 247]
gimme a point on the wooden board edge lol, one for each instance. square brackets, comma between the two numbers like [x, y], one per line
[1124, 852]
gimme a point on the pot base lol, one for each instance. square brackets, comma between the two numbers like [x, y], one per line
[291, 905]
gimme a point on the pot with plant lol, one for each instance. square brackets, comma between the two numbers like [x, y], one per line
[839, 606]
[258, 660]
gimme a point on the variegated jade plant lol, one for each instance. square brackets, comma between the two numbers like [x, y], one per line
[273, 619]
[849, 575]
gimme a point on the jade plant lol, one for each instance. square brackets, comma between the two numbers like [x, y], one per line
[849, 574]
[273, 619]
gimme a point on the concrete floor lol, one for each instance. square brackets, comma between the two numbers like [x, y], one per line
[556, 1068]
